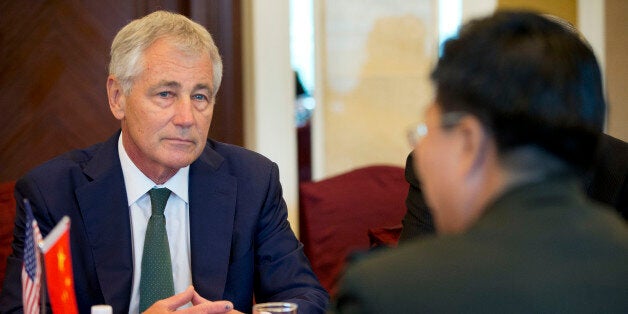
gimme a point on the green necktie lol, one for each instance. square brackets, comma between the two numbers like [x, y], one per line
[156, 279]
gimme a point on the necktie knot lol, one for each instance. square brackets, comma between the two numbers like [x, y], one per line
[158, 199]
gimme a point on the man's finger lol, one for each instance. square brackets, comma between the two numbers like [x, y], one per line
[180, 299]
[217, 306]
[209, 307]
[198, 299]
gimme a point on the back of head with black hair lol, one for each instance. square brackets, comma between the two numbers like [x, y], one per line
[530, 80]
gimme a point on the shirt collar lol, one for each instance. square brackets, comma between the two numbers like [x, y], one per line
[137, 183]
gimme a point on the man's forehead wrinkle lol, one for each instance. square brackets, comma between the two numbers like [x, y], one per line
[166, 57]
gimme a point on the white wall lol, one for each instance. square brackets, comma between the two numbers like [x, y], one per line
[269, 92]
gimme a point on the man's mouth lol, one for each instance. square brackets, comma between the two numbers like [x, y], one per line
[180, 141]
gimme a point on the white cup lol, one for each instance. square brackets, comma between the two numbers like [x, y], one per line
[102, 309]
[275, 308]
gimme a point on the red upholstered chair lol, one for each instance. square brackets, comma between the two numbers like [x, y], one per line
[7, 217]
[339, 214]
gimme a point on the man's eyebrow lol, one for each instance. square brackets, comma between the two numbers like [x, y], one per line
[163, 83]
[203, 86]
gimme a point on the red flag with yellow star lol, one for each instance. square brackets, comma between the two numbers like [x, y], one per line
[58, 265]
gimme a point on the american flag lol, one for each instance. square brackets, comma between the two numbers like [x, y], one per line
[31, 269]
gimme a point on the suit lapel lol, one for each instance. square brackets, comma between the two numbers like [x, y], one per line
[212, 192]
[103, 205]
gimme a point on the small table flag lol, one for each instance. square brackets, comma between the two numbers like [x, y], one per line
[31, 269]
[58, 262]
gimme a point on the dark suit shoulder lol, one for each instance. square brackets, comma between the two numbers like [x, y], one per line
[77, 166]
[230, 151]
[409, 171]
[608, 180]
[72, 162]
[237, 159]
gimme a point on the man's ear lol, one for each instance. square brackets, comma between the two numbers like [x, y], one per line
[116, 96]
[474, 145]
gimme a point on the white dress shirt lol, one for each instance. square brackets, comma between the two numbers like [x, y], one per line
[177, 222]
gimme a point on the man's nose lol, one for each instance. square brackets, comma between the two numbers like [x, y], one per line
[184, 112]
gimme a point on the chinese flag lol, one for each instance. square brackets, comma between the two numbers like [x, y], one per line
[58, 264]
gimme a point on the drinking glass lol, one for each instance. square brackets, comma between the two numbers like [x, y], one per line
[275, 308]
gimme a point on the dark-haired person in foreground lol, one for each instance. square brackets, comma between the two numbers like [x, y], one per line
[222, 239]
[605, 182]
[515, 121]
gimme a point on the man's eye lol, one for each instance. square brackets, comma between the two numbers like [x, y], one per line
[164, 94]
[199, 97]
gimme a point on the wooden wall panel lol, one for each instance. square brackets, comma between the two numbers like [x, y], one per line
[53, 69]
[222, 19]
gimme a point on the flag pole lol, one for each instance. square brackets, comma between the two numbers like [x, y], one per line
[43, 285]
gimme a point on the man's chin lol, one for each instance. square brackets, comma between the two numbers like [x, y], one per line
[177, 162]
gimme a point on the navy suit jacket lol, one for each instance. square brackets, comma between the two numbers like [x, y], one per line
[241, 242]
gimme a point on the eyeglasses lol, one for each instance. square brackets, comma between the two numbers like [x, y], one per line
[448, 120]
